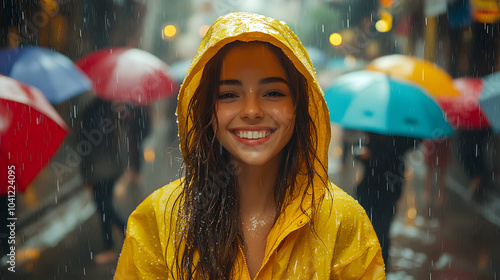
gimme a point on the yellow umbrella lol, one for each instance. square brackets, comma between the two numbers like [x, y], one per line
[430, 76]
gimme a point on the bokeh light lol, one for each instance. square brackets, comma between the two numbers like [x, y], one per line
[169, 31]
[203, 29]
[385, 22]
[149, 154]
[335, 39]
[382, 26]
[386, 3]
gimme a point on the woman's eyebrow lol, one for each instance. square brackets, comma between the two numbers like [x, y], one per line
[272, 80]
[231, 82]
[262, 81]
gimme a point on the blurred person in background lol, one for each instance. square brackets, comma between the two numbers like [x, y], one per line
[437, 159]
[383, 158]
[471, 144]
[350, 139]
[112, 133]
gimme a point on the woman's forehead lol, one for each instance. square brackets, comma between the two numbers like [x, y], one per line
[251, 56]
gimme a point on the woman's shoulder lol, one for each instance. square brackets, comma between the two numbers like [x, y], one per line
[149, 231]
[341, 201]
[339, 209]
[164, 196]
[156, 213]
[351, 234]
[161, 201]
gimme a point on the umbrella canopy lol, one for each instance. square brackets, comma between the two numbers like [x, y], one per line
[346, 64]
[51, 72]
[373, 102]
[489, 100]
[317, 56]
[178, 69]
[434, 79]
[463, 111]
[31, 131]
[129, 75]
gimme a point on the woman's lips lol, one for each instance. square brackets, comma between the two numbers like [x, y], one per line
[253, 137]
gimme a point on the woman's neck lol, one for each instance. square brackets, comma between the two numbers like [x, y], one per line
[255, 186]
[258, 209]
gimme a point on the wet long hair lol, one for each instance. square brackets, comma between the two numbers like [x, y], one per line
[208, 227]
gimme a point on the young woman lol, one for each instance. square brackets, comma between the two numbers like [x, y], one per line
[255, 201]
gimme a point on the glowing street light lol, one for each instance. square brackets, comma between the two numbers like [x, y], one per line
[335, 39]
[169, 31]
[385, 22]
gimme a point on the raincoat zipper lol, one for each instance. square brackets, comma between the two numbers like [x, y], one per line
[246, 271]
[301, 222]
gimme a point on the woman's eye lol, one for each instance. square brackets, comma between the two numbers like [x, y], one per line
[274, 94]
[226, 96]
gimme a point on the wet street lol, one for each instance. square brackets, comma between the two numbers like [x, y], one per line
[459, 241]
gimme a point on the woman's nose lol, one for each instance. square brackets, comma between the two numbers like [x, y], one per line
[251, 108]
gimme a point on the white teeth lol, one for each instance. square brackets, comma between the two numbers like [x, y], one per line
[253, 134]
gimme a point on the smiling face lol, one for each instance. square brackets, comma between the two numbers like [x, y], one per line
[255, 106]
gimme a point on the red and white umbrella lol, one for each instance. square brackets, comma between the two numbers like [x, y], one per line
[31, 131]
[129, 75]
[463, 111]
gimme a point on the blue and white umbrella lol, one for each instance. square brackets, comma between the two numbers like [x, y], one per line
[53, 73]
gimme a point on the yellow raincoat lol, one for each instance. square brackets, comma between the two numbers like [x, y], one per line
[344, 245]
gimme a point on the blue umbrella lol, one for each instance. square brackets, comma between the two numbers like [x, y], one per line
[489, 100]
[317, 56]
[374, 102]
[178, 69]
[53, 73]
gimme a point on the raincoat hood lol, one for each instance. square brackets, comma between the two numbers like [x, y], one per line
[246, 27]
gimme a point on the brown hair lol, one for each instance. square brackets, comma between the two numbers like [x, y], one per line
[208, 224]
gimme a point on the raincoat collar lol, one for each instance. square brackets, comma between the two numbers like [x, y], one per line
[247, 27]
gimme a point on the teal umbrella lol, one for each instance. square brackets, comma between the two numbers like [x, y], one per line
[374, 102]
[489, 100]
